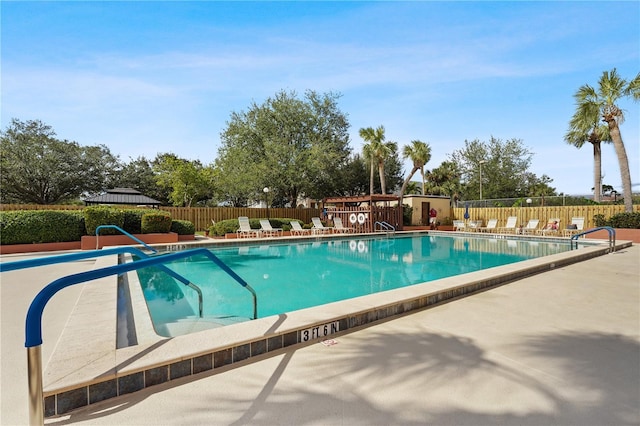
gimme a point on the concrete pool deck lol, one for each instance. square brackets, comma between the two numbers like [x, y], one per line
[556, 348]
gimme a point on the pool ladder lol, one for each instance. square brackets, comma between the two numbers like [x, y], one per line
[384, 227]
[610, 231]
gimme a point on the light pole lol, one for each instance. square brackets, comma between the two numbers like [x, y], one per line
[266, 199]
[481, 163]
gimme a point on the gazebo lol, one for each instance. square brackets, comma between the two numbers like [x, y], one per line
[366, 212]
[123, 196]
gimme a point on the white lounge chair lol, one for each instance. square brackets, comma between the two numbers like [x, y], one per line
[510, 226]
[474, 225]
[319, 228]
[578, 222]
[458, 225]
[530, 227]
[296, 229]
[268, 231]
[491, 226]
[340, 228]
[551, 228]
[245, 230]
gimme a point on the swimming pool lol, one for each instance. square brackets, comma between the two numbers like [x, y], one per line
[292, 276]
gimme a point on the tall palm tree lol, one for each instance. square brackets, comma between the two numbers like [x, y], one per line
[420, 154]
[581, 132]
[594, 104]
[372, 151]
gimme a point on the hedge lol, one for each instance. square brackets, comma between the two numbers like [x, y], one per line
[54, 226]
[157, 222]
[41, 226]
[621, 220]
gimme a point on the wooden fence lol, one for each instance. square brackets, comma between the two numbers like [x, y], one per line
[201, 217]
[564, 213]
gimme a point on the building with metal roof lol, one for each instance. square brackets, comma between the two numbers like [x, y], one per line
[123, 196]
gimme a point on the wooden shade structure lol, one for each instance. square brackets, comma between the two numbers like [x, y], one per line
[366, 212]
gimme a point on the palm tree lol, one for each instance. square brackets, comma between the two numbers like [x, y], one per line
[593, 105]
[581, 132]
[376, 151]
[420, 154]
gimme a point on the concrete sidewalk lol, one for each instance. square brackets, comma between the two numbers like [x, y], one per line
[561, 347]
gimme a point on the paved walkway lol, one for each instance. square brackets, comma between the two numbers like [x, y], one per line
[558, 348]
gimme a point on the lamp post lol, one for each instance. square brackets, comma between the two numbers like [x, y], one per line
[266, 199]
[529, 201]
[481, 162]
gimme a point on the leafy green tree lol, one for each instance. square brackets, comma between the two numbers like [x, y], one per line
[602, 103]
[293, 146]
[189, 181]
[444, 180]
[38, 168]
[505, 168]
[420, 154]
[139, 174]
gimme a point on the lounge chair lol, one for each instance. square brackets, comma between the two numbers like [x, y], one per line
[551, 228]
[530, 227]
[458, 225]
[296, 229]
[491, 226]
[474, 225]
[245, 230]
[577, 225]
[268, 231]
[510, 226]
[319, 228]
[340, 228]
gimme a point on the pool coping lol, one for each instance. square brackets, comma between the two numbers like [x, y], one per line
[86, 368]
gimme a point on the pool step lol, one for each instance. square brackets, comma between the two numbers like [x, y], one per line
[192, 324]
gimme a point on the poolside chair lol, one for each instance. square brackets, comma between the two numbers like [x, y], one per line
[458, 225]
[245, 230]
[296, 229]
[319, 228]
[577, 226]
[340, 228]
[551, 228]
[510, 226]
[530, 227]
[268, 231]
[474, 225]
[491, 226]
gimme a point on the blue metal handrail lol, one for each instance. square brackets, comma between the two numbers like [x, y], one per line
[125, 233]
[33, 323]
[51, 260]
[609, 229]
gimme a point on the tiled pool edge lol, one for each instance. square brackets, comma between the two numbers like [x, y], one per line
[142, 373]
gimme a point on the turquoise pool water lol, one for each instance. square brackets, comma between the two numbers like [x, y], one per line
[288, 277]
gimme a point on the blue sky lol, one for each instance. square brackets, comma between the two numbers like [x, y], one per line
[149, 77]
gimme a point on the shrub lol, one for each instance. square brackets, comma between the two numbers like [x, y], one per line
[183, 227]
[101, 215]
[407, 212]
[625, 220]
[157, 222]
[41, 226]
[133, 219]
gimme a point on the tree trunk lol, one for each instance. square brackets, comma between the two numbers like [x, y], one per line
[422, 174]
[621, 152]
[597, 172]
[372, 174]
[383, 182]
[405, 184]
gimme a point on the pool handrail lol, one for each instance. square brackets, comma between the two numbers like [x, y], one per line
[610, 231]
[33, 323]
[384, 226]
[69, 257]
[148, 247]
